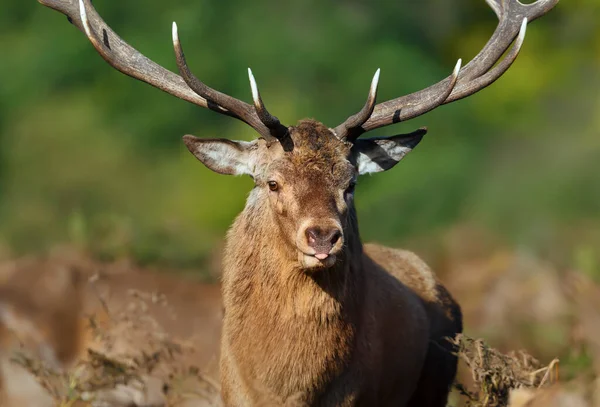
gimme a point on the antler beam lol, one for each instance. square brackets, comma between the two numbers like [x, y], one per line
[483, 70]
[126, 59]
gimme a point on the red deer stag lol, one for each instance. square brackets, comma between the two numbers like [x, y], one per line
[317, 318]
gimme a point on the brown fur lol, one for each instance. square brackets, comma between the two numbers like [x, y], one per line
[369, 330]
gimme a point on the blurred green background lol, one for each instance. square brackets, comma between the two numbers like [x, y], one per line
[93, 158]
[502, 196]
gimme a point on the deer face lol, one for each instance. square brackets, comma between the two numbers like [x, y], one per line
[307, 181]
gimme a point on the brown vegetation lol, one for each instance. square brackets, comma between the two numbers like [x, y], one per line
[516, 300]
[119, 339]
[130, 347]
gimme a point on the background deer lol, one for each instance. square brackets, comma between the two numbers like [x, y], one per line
[311, 315]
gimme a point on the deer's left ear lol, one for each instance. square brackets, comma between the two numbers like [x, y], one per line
[224, 156]
[380, 154]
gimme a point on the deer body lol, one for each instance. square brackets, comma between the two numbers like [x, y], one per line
[311, 316]
[352, 333]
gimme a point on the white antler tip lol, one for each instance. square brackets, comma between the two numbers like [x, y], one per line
[522, 32]
[458, 66]
[376, 76]
[375, 81]
[253, 86]
[84, 19]
[175, 34]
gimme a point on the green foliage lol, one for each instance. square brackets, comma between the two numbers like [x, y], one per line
[94, 158]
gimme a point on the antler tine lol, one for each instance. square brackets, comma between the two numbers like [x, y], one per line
[344, 131]
[118, 53]
[479, 73]
[412, 105]
[277, 129]
[468, 88]
[510, 14]
[126, 59]
[239, 109]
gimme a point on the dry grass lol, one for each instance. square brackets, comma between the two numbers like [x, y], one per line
[103, 380]
[131, 362]
[496, 374]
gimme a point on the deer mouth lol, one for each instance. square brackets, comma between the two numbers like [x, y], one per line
[317, 260]
[319, 243]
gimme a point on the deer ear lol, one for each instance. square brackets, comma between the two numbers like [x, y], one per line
[224, 156]
[380, 154]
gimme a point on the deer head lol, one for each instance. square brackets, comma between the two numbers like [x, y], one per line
[307, 172]
[310, 187]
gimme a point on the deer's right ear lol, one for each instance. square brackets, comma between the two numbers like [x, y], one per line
[224, 156]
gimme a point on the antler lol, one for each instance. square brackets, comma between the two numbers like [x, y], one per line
[277, 129]
[353, 127]
[131, 62]
[479, 73]
[345, 130]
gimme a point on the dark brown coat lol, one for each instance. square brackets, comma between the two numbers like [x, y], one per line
[366, 329]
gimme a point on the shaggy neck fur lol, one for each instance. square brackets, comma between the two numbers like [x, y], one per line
[272, 306]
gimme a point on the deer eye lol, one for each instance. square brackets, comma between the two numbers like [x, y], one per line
[273, 186]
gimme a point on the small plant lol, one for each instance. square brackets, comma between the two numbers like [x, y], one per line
[496, 374]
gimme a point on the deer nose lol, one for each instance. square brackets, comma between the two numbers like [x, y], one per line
[322, 239]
